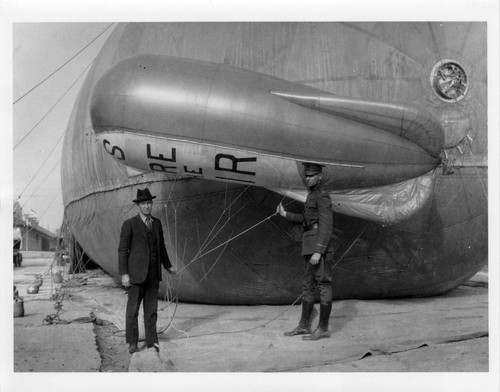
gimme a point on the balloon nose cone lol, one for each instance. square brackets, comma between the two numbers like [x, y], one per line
[232, 112]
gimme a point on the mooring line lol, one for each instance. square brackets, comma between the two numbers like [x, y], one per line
[248, 329]
[229, 240]
[203, 246]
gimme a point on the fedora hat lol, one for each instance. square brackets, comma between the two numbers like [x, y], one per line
[143, 195]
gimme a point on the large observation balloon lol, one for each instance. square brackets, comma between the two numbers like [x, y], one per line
[216, 119]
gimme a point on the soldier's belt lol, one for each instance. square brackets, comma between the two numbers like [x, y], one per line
[310, 227]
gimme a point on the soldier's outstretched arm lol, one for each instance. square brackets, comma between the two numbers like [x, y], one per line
[289, 216]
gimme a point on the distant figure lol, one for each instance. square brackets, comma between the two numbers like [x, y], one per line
[317, 249]
[140, 255]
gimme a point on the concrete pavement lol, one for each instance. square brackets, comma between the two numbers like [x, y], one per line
[55, 346]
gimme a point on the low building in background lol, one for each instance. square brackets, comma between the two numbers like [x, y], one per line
[33, 236]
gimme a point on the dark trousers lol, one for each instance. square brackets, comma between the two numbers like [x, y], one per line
[146, 292]
[318, 275]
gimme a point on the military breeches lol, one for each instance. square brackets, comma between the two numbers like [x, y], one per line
[319, 275]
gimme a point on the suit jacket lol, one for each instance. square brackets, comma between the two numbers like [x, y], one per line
[317, 221]
[133, 251]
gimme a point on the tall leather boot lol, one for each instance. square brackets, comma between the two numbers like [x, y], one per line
[325, 309]
[306, 319]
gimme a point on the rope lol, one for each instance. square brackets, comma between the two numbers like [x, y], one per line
[475, 167]
[29, 227]
[55, 319]
[205, 244]
[59, 294]
[350, 246]
[248, 329]
[288, 308]
[198, 255]
[225, 242]
[434, 41]
[41, 183]
[80, 51]
[171, 323]
[53, 106]
[214, 264]
[218, 231]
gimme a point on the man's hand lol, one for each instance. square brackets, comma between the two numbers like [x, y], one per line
[172, 271]
[315, 258]
[126, 280]
[281, 210]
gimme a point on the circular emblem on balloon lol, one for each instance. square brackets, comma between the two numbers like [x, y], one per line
[449, 81]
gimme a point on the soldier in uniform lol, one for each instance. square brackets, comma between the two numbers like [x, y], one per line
[317, 250]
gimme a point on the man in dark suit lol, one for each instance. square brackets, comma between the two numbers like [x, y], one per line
[140, 255]
[317, 250]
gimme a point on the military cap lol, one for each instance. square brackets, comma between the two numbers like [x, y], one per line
[310, 169]
[143, 195]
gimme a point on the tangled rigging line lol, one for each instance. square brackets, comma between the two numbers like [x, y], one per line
[200, 255]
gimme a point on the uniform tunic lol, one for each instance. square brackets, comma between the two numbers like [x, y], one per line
[317, 223]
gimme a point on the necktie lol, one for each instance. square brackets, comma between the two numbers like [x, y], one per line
[148, 223]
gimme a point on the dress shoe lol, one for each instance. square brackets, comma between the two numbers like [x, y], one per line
[132, 348]
[156, 346]
[299, 331]
[317, 334]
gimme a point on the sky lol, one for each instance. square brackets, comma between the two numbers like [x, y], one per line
[41, 114]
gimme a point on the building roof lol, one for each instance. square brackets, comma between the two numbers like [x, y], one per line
[43, 231]
[21, 223]
[18, 221]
